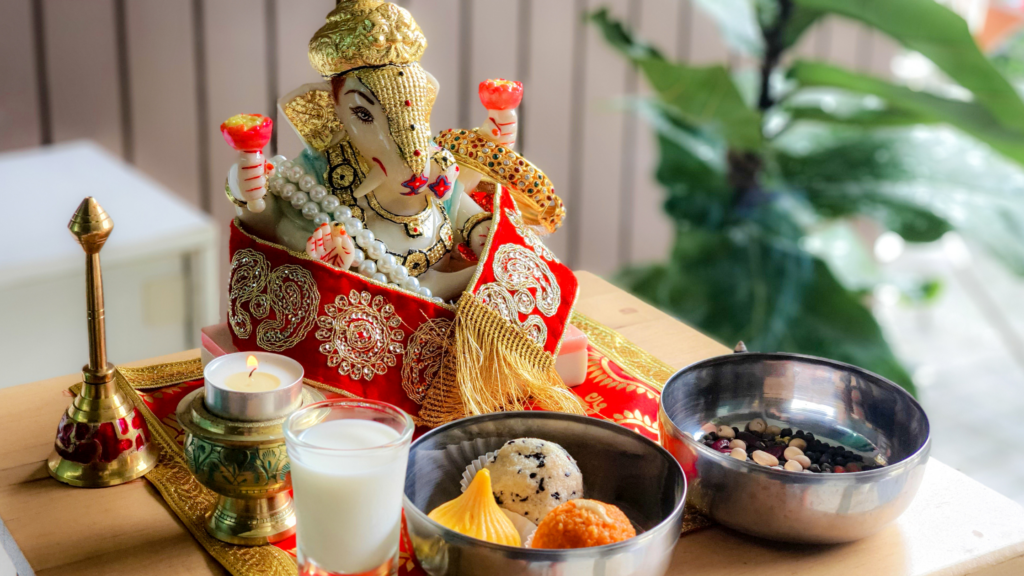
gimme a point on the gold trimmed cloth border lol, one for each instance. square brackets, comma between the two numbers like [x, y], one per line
[638, 362]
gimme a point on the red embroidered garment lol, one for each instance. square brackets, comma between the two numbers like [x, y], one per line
[380, 342]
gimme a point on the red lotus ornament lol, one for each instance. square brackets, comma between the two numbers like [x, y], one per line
[501, 94]
[247, 132]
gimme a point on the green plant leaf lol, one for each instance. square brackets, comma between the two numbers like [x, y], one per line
[844, 179]
[942, 36]
[737, 23]
[934, 171]
[863, 118]
[736, 285]
[703, 96]
[971, 117]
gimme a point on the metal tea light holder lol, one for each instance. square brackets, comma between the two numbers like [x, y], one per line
[102, 439]
[244, 462]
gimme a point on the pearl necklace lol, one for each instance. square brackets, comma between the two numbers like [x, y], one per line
[292, 184]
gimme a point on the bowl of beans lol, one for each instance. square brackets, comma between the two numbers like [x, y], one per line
[794, 448]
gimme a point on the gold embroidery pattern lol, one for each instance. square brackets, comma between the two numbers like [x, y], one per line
[345, 172]
[362, 335]
[313, 116]
[637, 420]
[291, 293]
[501, 300]
[249, 271]
[594, 403]
[421, 364]
[161, 375]
[529, 236]
[517, 270]
[600, 372]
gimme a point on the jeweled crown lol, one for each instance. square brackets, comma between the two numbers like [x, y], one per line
[361, 33]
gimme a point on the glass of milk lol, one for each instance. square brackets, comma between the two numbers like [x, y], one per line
[348, 461]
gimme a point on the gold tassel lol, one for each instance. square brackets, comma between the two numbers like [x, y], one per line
[498, 368]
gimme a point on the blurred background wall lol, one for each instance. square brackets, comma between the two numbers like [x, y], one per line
[151, 80]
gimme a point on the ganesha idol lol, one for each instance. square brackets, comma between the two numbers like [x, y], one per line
[392, 264]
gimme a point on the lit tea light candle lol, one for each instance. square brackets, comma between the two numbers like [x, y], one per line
[253, 386]
[253, 381]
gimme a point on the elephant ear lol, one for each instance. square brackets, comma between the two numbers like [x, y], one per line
[310, 112]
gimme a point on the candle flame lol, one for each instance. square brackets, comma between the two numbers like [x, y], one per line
[252, 363]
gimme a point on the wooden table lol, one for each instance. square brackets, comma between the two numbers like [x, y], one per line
[955, 526]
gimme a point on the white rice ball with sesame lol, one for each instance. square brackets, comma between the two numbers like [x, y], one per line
[531, 477]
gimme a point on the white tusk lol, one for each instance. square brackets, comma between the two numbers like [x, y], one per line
[374, 178]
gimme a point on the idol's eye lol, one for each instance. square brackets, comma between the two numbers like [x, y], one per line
[363, 114]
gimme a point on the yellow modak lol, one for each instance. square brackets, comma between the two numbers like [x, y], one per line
[476, 514]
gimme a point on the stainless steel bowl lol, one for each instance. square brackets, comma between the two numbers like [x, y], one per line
[619, 467]
[838, 403]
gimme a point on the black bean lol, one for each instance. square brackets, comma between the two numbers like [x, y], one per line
[711, 436]
[840, 461]
[735, 430]
[786, 432]
[815, 468]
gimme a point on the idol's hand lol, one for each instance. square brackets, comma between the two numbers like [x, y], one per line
[252, 179]
[478, 238]
[332, 245]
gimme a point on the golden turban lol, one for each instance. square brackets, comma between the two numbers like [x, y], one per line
[361, 33]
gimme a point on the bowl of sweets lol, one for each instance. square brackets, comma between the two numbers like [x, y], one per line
[542, 493]
[794, 448]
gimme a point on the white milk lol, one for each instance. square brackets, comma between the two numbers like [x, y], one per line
[348, 506]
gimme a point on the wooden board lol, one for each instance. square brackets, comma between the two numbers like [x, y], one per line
[954, 527]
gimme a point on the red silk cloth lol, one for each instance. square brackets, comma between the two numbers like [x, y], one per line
[516, 266]
[609, 392]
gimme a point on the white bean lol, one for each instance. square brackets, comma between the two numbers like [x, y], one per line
[738, 453]
[794, 466]
[726, 432]
[792, 452]
[798, 442]
[773, 430]
[764, 459]
[757, 426]
[803, 460]
[737, 443]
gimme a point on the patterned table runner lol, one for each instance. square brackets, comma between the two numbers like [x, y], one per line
[623, 385]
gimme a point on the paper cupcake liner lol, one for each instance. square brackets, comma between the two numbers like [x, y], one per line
[474, 467]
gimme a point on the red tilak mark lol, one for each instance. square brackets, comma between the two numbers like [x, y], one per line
[254, 189]
[407, 103]
[381, 164]
[270, 167]
[253, 178]
[250, 167]
[415, 152]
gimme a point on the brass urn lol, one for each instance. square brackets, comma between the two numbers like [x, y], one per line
[246, 464]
